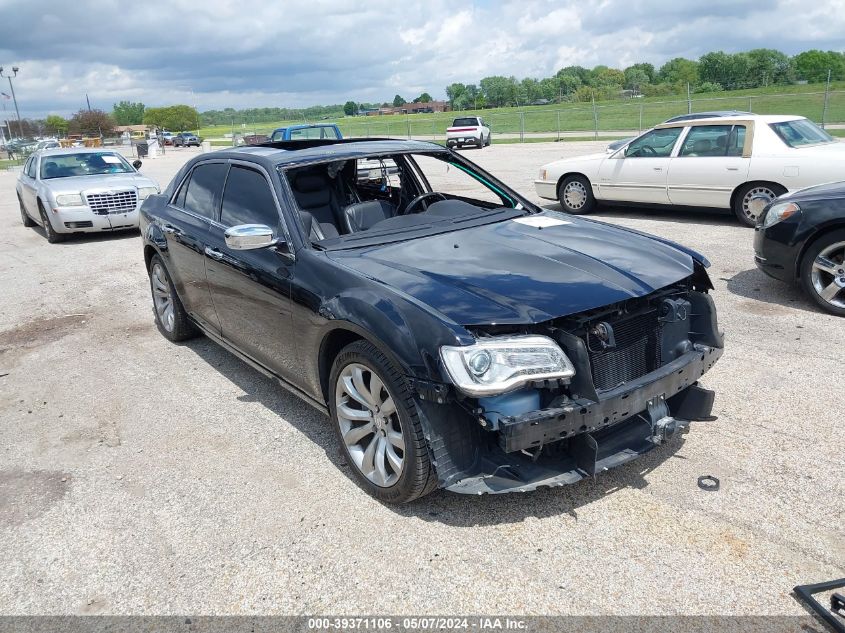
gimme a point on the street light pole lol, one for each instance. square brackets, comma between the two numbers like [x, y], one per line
[15, 70]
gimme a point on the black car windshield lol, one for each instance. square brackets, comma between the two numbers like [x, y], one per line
[801, 132]
[83, 164]
[380, 199]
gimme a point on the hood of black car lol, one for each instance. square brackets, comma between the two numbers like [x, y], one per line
[511, 272]
[817, 192]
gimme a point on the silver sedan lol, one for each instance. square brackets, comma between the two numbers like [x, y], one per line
[81, 191]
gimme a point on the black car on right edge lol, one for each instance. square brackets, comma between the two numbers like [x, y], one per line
[801, 239]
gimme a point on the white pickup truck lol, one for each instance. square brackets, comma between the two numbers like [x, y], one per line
[468, 130]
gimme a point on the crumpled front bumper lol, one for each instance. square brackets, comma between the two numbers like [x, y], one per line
[597, 435]
[83, 220]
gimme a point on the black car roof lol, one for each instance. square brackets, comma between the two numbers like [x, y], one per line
[282, 152]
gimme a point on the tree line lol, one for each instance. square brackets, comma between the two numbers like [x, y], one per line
[712, 72]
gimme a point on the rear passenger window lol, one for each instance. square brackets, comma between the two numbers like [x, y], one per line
[204, 189]
[30, 167]
[179, 201]
[248, 199]
[706, 140]
[736, 142]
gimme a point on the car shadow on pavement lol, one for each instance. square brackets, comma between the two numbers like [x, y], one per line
[754, 284]
[441, 506]
[87, 238]
[687, 215]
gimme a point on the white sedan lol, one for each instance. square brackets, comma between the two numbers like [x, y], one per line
[741, 163]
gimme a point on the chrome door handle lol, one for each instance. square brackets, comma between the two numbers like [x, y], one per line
[657, 168]
[170, 230]
[213, 253]
[732, 168]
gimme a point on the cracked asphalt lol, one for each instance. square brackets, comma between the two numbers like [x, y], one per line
[142, 477]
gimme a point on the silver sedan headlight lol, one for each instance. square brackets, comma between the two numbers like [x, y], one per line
[69, 200]
[146, 192]
[779, 212]
[500, 364]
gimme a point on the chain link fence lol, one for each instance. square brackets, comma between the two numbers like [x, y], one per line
[575, 120]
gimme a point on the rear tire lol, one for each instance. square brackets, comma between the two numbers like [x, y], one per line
[822, 272]
[49, 231]
[751, 199]
[376, 422]
[481, 143]
[489, 140]
[575, 195]
[170, 315]
[27, 221]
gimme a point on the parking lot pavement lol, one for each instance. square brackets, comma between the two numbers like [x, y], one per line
[138, 476]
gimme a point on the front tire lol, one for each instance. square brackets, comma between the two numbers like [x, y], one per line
[575, 195]
[751, 199]
[170, 315]
[822, 273]
[27, 221]
[49, 231]
[376, 421]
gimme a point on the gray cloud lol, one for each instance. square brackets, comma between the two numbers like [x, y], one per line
[295, 53]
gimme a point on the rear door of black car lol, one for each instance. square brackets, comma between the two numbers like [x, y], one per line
[190, 214]
[251, 288]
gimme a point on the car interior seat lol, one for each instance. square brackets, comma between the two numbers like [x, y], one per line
[51, 169]
[315, 193]
[363, 215]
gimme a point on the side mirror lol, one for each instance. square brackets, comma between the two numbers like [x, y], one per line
[247, 237]
[137, 164]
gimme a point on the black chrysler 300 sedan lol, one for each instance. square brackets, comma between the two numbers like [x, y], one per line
[801, 239]
[457, 335]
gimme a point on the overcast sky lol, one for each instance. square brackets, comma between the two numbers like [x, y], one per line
[216, 54]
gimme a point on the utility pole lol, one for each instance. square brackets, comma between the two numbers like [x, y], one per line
[15, 70]
[595, 118]
[689, 100]
[826, 96]
[88, 101]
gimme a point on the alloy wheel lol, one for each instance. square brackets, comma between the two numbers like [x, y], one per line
[162, 299]
[828, 274]
[369, 424]
[755, 200]
[575, 194]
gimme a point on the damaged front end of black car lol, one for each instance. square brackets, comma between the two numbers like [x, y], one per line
[583, 394]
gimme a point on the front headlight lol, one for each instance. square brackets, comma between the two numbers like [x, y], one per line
[499, 364]
[146, 192]
[779, 212]
[69, 200]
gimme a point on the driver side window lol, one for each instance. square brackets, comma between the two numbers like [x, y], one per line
[654, 144]
[449, 179]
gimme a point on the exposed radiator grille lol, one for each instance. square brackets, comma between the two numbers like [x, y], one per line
[636, 353]
[117, 202]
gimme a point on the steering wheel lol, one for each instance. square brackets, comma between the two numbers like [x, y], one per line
[429, 194]
[647, 150]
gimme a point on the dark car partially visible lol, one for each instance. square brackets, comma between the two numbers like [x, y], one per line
[456, 334]
[801, 240]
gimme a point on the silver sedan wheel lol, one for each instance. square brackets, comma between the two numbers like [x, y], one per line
[162, 299]
[755, 200]
[575, 194]
[369, 425]
[828, 274]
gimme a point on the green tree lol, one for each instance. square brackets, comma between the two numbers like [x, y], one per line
[679, 71]
[583, 74]
[424, 98]
[648, 69]
[767, 66]
[55, 124]
[568, 83]
[398, 101]
[175, 117]
[636, 78]
[609, 77]
[128, 113]
[91, 123]
[454, 92]
[813, 65]
[349, 108]
[529, 90]
[497, 90]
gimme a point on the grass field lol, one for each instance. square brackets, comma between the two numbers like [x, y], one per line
[632, 114]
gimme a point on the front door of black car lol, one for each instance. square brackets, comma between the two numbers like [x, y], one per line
[186, 228]
[251, 288]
